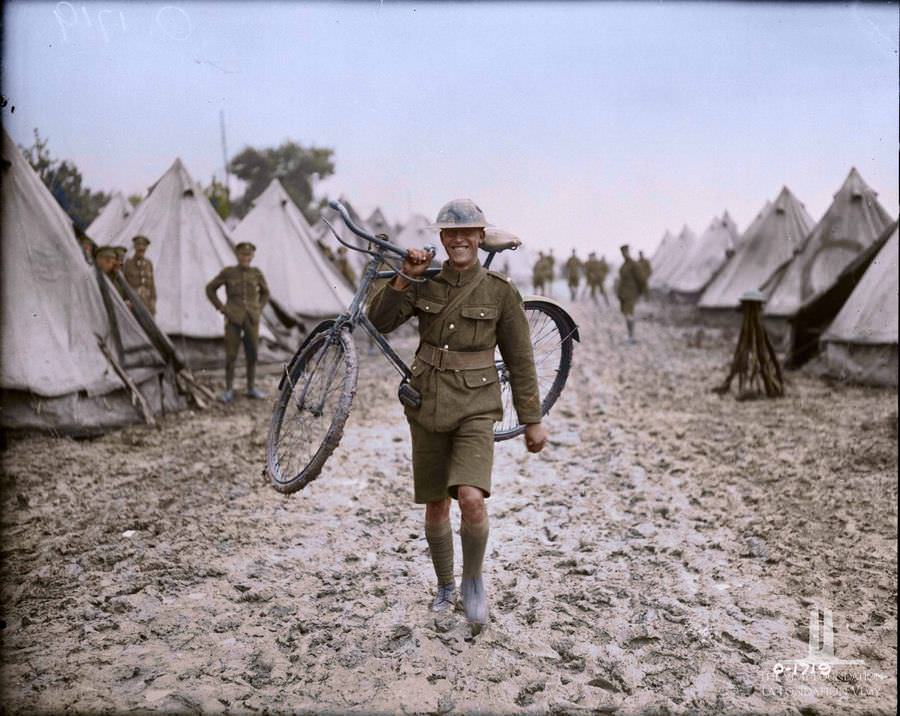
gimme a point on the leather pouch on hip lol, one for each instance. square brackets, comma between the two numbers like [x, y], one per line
[409, 396]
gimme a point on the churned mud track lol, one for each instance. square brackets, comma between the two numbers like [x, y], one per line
[662, 554]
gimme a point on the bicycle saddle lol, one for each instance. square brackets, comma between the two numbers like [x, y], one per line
[497, 240]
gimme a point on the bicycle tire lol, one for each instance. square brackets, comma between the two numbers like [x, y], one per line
[284, 477]
[539, 312]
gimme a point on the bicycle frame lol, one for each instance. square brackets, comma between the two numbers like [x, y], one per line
[355, 315]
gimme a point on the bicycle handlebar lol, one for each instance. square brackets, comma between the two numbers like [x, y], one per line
[345, 215]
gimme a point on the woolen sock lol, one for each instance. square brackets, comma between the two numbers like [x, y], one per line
[440, 545]
[474, 536]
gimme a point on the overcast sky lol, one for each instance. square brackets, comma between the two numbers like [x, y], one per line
[574, 125]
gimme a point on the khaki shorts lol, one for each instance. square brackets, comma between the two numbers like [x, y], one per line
[627, 306]
[444, 461]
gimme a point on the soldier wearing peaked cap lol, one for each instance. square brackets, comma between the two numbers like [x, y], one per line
[120, 257]
[572, 270]
[106, 259]
[246, 293]
[464, 314]
[646, 268]
[138, 272]
[632, 285]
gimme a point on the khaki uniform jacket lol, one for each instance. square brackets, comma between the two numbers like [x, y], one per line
[572, 270]
[246, 292]
[631, 281]
[139, 274]
[491, 316]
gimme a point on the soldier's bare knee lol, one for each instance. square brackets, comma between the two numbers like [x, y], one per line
[437, 511]
[471, 502]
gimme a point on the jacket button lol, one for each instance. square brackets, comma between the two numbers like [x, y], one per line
[452, 326]
[427, 308]
[482, 314]
[446, 347]
[483, 379]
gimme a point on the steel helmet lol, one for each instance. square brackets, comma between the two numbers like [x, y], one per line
[460, 214]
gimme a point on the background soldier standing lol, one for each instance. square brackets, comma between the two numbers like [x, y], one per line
[120, 257]
[644, 264]
[572, 270]
[602, 273]
[139, 273]
[106, 260]
[537, 273]
[631, 286]
[590, 274]
[246, 293]
[550, 272]
[464, 313]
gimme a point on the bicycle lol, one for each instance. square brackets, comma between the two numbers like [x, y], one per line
[318, 385]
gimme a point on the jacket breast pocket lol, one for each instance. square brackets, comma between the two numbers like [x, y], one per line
[428, 310]
[480, 322]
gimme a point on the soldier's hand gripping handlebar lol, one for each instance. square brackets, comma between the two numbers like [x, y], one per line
[415, 264]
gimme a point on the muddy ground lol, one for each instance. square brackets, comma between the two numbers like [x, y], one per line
[661, 556]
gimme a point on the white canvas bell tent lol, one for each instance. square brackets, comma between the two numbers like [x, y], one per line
[54, 308]
[303, 283]
[189, 245]
[777, 235]
[861, 342]
[378, 223]
[852, 222]
[704, 259]
[665, 245]
[674, 258]
[752, 226]
[110, 220]
[416, 234]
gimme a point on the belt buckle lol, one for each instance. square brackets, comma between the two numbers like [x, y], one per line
[441, 354]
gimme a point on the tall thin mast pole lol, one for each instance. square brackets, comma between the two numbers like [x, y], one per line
[224, 150]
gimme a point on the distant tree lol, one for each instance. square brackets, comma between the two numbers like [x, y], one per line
[219, 197]
[135, 199]
[294, 164]
[65, 182]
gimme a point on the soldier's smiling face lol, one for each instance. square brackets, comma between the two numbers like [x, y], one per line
[461, 246]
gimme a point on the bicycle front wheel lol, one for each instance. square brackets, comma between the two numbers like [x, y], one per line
[552, 340]
[308, 421]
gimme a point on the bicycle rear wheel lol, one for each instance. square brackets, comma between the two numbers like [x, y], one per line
[552, 339]
[309, 416]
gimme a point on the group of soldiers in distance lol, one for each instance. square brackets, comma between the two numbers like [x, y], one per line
[630, 285]
[246, 294]
[245, 288]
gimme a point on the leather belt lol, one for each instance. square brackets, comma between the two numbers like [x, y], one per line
[443, 359]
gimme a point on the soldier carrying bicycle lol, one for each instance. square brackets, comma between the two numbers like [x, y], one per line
[464, 312]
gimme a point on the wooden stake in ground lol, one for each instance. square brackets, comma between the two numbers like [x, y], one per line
[137, 397]
[755, 363]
